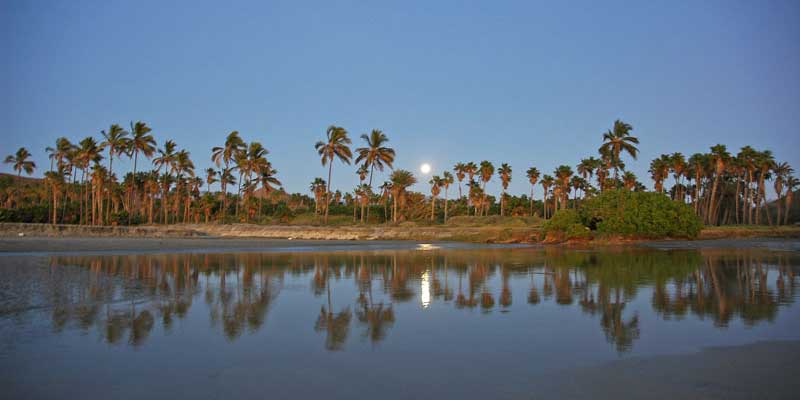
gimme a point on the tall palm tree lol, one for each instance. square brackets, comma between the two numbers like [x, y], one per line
[401, 180]
[678, 164]
[447, 180]
[88, 153]
[224, 155]
[618, 140]
[165, 160]
[376, 154]
[505, 179]
[141, 141]
[55, 180]
[461, 171]
[765, 164]
[336, 146]
[547, 182]
[782, 171]
[563, 173]
[719, 157]
[436, 188]
[533, 177]
[486, 171]
[117, 142]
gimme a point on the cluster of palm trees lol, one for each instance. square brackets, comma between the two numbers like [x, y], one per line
[723, 189]
[728, 189]
[77, 173]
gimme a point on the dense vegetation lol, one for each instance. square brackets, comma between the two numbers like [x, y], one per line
[82, 186]
[628, 214]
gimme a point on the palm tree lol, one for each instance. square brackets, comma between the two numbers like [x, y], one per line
[533, 177]
[563, 173]
[141, 142]
[117, 143]
[719, 157]
[225, 154]
[447, 180]
[547, 182]
[486, 171]
[318, 187]
[792, 184]
[505, 179]
[765, 163]
[21, 162]
[375, 154]
[782, 171]
[165, 161]
[363, 193]
[335, 147]
[268, 181]
[401, 180]
[461, 171]
[55, 179]
[211, 178]
[88, 152]
[628, 180]
[436, 188]
[618, 140]
[678, 164]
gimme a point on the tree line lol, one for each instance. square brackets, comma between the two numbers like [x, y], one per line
[82, 187]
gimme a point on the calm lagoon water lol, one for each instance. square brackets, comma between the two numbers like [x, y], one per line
[470, 323]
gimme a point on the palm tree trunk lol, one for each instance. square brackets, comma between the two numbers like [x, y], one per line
[433, 206]
[445, 205]
[711, 200]
[328, 190]
[789, 196]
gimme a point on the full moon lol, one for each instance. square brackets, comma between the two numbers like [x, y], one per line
[425, 168]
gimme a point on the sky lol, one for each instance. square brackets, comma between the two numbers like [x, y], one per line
[528, 83]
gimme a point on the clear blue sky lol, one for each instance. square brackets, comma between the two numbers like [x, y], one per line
[526, 83]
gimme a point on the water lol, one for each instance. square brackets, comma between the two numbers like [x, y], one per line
[473, 323]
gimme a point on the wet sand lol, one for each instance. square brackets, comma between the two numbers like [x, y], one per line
[763, 370]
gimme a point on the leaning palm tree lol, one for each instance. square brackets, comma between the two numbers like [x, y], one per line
[486, 171]
[224, 155]
[533, 177]
[117, 143]
[376, 154]
[140, 142]
[618, 140]
[21, 162]
[505, 179]
[335, 147]
[401, 180]
[447, 180]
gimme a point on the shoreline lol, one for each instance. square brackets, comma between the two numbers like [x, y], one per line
[247, 235]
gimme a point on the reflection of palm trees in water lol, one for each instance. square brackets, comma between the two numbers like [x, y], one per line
[336, 326]
[126, 296]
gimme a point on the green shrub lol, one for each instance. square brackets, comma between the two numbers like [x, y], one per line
[28, 214]
[640, 214]
[566, 224]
